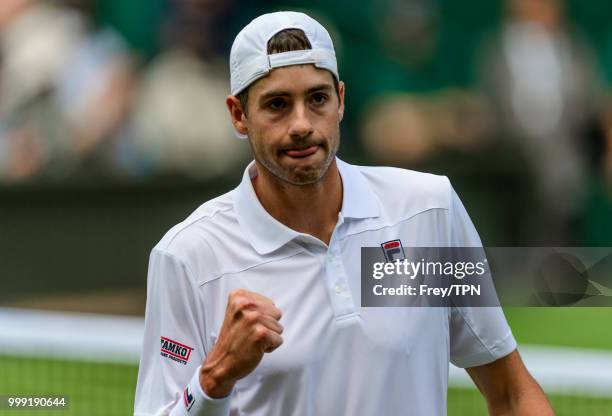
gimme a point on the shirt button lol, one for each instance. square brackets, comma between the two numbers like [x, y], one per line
[339, 288]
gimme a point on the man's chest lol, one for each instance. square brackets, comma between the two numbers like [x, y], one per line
[319, 293]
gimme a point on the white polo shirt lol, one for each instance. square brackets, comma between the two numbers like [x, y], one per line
[337, 357]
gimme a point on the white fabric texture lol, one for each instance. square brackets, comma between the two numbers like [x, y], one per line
[337, 358]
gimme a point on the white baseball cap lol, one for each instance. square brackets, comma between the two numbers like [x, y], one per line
[249, 59]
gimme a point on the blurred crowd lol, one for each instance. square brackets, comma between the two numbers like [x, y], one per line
[76, 99]
[513, 89]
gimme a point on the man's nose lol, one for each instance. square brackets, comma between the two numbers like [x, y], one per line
[301, 125]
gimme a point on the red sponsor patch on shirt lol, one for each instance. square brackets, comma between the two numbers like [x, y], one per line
[175, 350]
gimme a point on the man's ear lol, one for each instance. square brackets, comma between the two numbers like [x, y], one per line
[237, 114]
[341, 100]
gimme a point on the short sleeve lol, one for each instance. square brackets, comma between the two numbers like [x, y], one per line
[173, 347]
[478, 335]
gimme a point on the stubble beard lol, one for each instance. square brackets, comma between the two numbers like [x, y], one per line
[295, 176]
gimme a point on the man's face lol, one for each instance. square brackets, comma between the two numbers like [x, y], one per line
[293, 121]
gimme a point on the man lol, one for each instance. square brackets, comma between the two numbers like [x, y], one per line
[255, 297]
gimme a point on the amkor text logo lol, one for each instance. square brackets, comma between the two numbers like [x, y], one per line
[175, 350]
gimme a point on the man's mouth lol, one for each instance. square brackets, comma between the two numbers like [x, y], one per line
[301, 153]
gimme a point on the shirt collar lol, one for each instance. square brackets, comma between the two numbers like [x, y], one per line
[266, 234]
[358, 199]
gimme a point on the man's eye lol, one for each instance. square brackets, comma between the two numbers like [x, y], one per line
[277, 104]
[319, 98]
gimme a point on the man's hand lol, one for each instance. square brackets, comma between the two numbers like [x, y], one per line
[250, 329]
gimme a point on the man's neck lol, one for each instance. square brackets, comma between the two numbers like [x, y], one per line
[310, 209]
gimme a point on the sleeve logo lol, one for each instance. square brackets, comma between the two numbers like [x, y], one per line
[175, 350]
[188, 399]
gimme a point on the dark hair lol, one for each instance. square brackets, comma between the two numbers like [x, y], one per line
[284, 41]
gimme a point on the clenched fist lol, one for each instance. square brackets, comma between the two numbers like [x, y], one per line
[250, 328]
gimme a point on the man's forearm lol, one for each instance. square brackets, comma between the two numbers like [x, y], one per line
[530, 401]
[214, 383]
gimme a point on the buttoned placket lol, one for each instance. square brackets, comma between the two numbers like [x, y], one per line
[336, 278]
